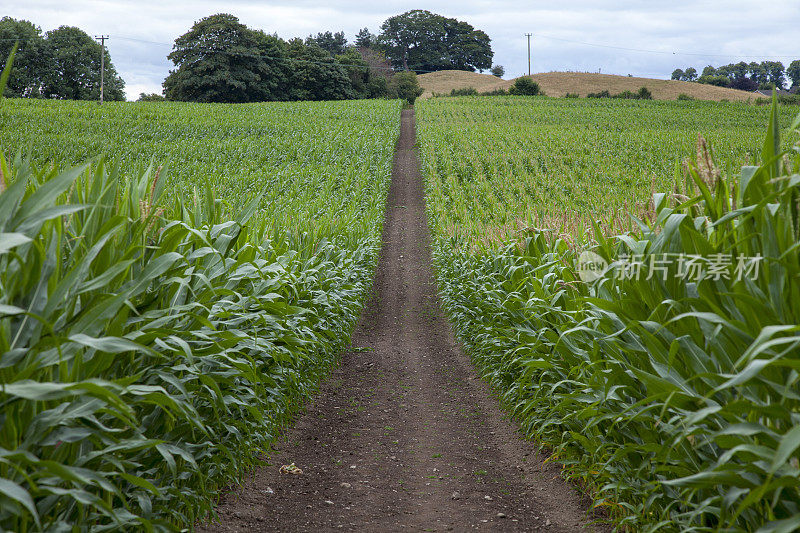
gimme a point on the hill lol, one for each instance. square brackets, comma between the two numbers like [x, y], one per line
[582, 83]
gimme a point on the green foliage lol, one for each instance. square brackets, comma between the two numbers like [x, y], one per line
[221, 60]
[469, 91]
[153, 347]
[276, 147]
[333, 43]
[683, 97]
[793, 73]
[498, 70]
[406, 86]
[783, 99]
[496, 166]
[673, 401]
[525, 86]
[152, 97]
[75, 72]
[744, 76]
[32, 58]
[366, 39]
[572, 95]
[423, 41]
[315, 75]
[7, 70]
[63, 64]
[642, 94]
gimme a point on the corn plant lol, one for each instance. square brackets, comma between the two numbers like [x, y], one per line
[674, 402]
[154, 338]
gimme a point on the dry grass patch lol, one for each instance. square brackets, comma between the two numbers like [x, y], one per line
[582, 83]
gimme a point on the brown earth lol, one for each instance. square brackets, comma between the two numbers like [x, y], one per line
[582, 83]
[403, 435]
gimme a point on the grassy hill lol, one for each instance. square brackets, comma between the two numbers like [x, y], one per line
[582, 83]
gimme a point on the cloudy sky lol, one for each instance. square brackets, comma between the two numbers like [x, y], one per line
[644, 38]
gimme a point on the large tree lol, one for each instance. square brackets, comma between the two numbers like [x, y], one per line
[33, 58]
[221, 60]
[423, 41]
[775, 73]
[74, 72]
[793, 72]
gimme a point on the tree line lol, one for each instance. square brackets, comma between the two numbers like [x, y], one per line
[745, 76]
[222, 60]
[62, 63]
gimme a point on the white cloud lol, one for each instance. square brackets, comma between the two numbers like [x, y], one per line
[730, 29]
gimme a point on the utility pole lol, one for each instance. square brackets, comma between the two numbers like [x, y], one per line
[528, 35]
[102, 40]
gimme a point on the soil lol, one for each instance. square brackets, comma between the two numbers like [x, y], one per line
[404, 436]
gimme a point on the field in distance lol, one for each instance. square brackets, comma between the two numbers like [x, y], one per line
[496, 164]
[582, 83]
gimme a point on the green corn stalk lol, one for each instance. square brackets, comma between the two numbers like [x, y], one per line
[675, 403]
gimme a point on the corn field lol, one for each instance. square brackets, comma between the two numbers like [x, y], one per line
[159, 326]
[502, 165]
[673, 401]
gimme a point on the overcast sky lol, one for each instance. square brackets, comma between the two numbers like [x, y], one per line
[580, 36]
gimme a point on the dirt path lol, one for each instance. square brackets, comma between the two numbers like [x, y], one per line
[404, 436]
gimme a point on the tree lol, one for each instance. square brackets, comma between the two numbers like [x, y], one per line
[525, 86]
[315, 75]
[498, 71]
[221, 60]
[378, 64]
[75, 68]
[710, 79]
[793, 72]
[709, 71]
[690, 74]
[775, 73]
[357, 70]
[406, 86]
[677, 74]
[423, 41]
[757, 72]
[32, 60]
[367, 82]
[380, 72]
[333, 43]
[365, 39]
[152, 97]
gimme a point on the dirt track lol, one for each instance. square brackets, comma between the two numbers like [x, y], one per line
[403, 435]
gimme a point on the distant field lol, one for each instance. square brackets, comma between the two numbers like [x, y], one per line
[496, 164]
[308, 172]
[561, 83]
